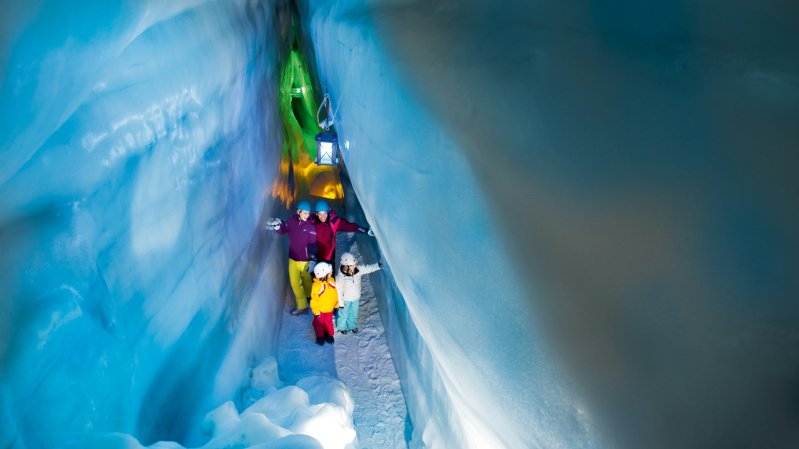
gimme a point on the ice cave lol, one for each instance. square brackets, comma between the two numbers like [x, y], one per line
[585, 215]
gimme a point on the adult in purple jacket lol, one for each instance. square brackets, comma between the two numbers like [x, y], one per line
[302, 252]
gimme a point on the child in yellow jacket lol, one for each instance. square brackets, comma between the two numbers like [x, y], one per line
[324, 299]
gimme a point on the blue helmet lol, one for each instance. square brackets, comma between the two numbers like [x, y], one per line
[322, 206]
[304, 205]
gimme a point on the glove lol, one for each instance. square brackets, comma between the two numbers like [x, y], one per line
[274, 224]
[311, 265]
[370, 233]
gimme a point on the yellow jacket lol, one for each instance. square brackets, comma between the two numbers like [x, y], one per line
[324, 296]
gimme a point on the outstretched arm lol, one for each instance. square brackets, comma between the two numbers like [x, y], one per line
[340, 224]
[366, 269]
[346, 226]
[277, 225]
[353, 227]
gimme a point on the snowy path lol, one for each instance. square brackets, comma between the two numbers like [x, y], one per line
[298, 355]
[361, 361]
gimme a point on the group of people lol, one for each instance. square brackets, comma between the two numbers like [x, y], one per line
[312, 249]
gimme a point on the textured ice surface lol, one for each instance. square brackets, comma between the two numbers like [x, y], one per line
[612, 184]
[365, 365]
[315, 414]
[133, 173]
[589, 211]
[475, 372]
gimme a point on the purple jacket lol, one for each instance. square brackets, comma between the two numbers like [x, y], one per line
[302, 238]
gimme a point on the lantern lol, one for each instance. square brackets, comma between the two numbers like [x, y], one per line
[326, 148]
[326, 141]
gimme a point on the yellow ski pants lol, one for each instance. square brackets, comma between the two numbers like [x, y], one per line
[300, 280]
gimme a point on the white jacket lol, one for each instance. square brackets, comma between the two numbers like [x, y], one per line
[349, 287]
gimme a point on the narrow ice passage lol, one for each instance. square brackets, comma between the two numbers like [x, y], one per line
[587, 212]
[362, 361]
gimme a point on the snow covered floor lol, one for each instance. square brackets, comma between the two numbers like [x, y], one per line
[312, 396]
[361, 361]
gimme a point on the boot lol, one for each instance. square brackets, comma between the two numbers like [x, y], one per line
[297, 312]
[320, 341]
[345, 332]
[355, 331]
[329, 339]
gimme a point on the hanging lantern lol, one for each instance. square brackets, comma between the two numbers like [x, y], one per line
[326, 141]
[326, 149]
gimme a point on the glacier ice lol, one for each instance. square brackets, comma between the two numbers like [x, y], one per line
[587, 212]
[288, 417]
[587, 209]
[133, 175]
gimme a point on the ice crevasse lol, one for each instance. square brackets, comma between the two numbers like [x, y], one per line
[587, 214]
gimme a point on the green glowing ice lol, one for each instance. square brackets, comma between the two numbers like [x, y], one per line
[298, 107]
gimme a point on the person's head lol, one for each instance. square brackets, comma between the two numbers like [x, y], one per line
[322, 210]
[304, 210]
[322, 270]
[348, 264]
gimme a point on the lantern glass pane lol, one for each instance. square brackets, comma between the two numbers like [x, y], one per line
[325, 153]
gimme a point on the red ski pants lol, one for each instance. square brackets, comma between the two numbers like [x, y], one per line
[323, 323]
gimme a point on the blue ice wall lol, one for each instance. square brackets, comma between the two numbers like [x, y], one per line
[138, 145]
[589, 210]
[475, 372]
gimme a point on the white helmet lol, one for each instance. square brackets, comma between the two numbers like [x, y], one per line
[348, 259]
[322, 269]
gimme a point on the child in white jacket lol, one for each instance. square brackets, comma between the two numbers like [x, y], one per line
[348, 281]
